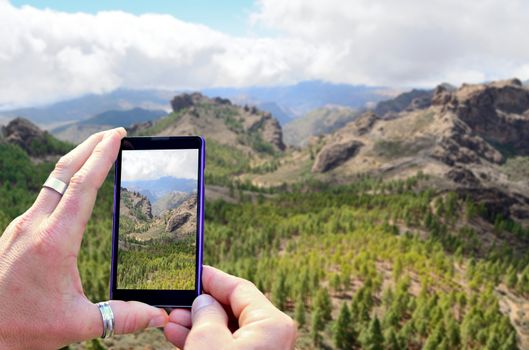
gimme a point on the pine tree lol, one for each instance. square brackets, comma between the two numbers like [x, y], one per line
[512, 278]
[336, 283]
[280, 292]
[452, 333]
[344, 332]
[374, 339]
[323, 303]
[299, 313]
[316, 327]
[392, 342]
[510, 344]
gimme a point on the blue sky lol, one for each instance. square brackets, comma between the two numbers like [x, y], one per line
[230, 17]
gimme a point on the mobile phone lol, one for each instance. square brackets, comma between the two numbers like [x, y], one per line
[158, 222]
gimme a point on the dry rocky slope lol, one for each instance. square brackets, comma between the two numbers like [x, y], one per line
[464, 136]
[217, 119]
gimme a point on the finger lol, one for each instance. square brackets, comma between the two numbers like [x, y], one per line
[75, 208]
[176, 334]
[241, 295]
[210, 324]
[181, 317]
[132, 316]
[67, 165]
[129, 317]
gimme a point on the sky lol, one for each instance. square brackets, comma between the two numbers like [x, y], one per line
[154, 164]
[57, 50]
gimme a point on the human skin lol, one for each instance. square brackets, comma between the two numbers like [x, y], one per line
[42, 303]
[258, 324]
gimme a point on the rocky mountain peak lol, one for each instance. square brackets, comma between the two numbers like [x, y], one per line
[465, 137]
[35, 141]
[218, 119]
[21, 132]
[498, 112]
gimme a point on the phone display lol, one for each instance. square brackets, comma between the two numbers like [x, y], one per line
[158, 220]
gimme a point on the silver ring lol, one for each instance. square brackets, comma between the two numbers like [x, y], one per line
[108, 319]
[55, 184]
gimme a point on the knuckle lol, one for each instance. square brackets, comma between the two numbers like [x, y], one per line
[44, 243]
[63, 163]
[202, 331]
[129, 324]
[20, 225]
[245, 284]
[78, 180]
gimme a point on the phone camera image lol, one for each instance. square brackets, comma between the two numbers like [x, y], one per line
[158, 218]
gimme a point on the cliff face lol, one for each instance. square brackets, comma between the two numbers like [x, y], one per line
[135, 205]
[218, 119]
[183, 219]
[465, 137]
[497, 112]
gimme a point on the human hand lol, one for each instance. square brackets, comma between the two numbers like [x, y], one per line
[42, 303]
[260, 324]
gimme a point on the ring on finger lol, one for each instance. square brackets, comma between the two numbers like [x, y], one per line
[108, 319]
[56, 185]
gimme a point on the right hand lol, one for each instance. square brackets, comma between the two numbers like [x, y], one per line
[260, 324]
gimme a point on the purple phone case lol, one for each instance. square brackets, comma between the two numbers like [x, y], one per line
[200, 238]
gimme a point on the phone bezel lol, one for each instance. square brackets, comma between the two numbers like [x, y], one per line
[160, 298]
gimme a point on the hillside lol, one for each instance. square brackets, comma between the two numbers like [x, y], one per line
[245, 128]
[468, 138]
[320, 121]
[36, 142]
[299, 99]
[78, 131]
[76, 109]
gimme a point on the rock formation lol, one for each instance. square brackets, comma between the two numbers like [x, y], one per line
[217, 119]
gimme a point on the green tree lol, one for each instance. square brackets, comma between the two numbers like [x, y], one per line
[343, 330]
[392, 342]
[299, 313]
[374, 338]
[280, 291]
[323, 303]
[316, 327]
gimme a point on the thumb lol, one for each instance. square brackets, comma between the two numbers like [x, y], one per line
[133, 316]
[129, 317]
[210, 324]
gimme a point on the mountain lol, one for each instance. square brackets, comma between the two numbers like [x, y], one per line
[468, 138]
[79, 131]
[298, 99]
[157, 188]
[29, 137]
[246, 128]
[413, 99]
[90, 105]
[320, 121]
[134, 206]
[168, 201]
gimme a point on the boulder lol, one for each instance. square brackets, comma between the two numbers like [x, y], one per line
[335, 154]
[176, 221]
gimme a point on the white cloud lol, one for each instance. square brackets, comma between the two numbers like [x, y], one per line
[407, 42]
[47, 55]
[153, 164]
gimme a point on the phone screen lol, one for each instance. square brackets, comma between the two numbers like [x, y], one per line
[158, 219]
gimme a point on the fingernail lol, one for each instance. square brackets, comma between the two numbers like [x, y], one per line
[158, 321]
[121, 130]
[202, 301]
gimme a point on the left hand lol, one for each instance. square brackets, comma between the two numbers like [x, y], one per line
[42, 303]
